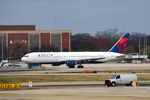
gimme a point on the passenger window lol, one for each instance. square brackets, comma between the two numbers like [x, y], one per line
[118, 77]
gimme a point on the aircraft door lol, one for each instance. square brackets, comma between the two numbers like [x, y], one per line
[118, 79]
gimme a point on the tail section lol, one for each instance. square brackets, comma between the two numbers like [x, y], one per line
[119, 47]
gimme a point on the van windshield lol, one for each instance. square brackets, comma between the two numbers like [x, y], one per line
[113, 76]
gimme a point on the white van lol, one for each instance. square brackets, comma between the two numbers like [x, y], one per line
[118, 79]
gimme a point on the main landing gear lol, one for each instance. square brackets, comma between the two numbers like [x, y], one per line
[71, 66]
[80, 66]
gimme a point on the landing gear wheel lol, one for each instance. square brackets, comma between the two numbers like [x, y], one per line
[29, 66]
[80, 66]
[71, 66]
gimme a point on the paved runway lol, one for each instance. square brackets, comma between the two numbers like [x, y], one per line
[98, 67]
[77, 84]
[90, 93]
[64, 69]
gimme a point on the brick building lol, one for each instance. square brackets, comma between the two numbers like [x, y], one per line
[100, 43]
[33, 38]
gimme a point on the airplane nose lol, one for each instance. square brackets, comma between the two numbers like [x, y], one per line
[22, 59]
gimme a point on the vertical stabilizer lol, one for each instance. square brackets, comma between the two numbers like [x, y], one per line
[119, 47]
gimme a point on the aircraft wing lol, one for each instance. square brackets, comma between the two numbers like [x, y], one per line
[83, 59]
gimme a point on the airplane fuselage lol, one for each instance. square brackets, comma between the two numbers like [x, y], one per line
[54, 57]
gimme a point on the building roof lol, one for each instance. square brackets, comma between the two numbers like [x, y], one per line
[37, 32]
[17, 27]
[30, 29]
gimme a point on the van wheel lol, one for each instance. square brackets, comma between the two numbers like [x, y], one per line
[113, 84]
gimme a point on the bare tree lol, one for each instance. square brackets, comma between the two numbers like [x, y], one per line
[19, 49]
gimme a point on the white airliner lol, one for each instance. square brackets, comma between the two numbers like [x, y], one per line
[77, 58]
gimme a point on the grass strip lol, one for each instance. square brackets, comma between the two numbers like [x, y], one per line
[20, 79]
[54, 78]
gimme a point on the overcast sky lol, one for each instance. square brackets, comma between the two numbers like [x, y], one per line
[78, 15]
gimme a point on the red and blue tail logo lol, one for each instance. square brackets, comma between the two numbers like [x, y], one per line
[119, 47]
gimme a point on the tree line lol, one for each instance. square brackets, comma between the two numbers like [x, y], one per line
[79, 42]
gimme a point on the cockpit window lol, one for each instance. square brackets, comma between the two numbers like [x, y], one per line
[26, 56]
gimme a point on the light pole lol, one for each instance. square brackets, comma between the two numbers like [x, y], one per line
[2, 46]
[139, 45]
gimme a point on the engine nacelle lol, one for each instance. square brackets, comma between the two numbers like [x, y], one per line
[71, 63]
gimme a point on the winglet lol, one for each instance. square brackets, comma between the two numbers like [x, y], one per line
[119, 47]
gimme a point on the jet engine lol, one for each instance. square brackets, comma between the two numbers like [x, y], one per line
[71, 63]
